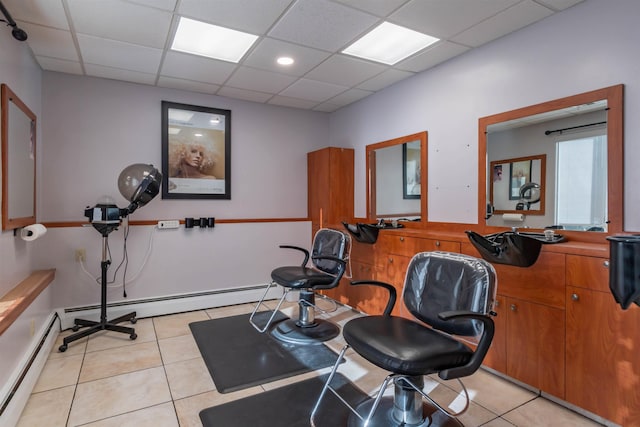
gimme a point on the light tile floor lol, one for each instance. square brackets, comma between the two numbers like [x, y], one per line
[160, 380]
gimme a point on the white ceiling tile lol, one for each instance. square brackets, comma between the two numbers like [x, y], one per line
[169, 5]
[253, 16]
[377, 7]
[384, 79]
[326, 107]
[344, 70]
[247, 95]
[198, 68]
[322, 24]
[349, 96]
[285, 101]
[189, 85]
[115, 54]
[119, 74]
[51, 42]
[559, 4]
[118, 20]
[512, 19]
[107, 37]
[445, 18]
[313, 90]
[259, 80]
[59, 65]
[268, 50]
[432, 56]
[49, 13]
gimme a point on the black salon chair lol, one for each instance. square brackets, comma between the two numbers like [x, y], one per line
[329, 257]
[451, 297]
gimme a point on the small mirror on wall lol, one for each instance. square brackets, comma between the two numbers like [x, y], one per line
[18, 161]
[518, 185]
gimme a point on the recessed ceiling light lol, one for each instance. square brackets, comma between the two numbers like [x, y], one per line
[215, 120]
[212, 41]
[197, 134]
[174, 131]
[285, 60]
[389, 43]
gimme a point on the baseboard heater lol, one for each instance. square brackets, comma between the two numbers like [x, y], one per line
[165, 298]
[170, 304]
[27, 366]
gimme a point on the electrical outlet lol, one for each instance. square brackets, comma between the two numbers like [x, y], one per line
[174, 223]
[81, 255]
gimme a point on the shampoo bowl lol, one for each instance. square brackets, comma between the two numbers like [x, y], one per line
[509, 247]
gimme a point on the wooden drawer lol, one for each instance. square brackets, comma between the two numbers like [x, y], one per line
[588, 272]
[409, 246]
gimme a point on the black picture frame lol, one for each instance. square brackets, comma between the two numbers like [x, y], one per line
[411, 187]
[196, 152]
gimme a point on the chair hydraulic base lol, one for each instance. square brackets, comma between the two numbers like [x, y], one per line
[306, 329]
[289, 331]
[386, 416]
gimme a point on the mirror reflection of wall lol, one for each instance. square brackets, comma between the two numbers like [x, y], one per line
[396, 178]
[391, 200]
[18, 162]
[576, 172]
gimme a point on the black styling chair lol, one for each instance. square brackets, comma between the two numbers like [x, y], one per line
[329, 257]
[451, 297]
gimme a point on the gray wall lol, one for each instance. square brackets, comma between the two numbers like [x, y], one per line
[586, 47]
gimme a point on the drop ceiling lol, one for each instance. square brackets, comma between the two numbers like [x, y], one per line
[129, 40]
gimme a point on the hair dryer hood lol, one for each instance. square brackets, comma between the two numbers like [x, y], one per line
[139, 183]
[530, 192]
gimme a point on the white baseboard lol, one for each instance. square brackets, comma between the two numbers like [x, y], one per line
[170, 304]
[16, 392]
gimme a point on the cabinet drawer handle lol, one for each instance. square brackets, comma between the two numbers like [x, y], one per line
[575, 297]
[496, 303]
[606, 264]
[391, 260]
[437, 243]
[401, 239]
[514, 307]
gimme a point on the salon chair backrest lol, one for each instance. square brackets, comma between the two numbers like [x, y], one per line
[437, 282]
[332, 243]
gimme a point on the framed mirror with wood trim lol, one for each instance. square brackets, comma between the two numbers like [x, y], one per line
[581, 137]
[397, 179]
[18, 161]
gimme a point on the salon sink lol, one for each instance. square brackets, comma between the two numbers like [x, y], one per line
[555, 238]
[520, 249]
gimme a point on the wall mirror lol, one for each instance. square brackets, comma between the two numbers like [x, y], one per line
[517, 185]
[396, 179]
[580, 140]
[18, 161]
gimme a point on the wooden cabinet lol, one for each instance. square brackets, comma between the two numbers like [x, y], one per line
[535, 343]
[330, 185]
[529, 340]
[603, 345]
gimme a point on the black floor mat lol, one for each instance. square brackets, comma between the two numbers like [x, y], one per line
[238, 356]
[288, 406]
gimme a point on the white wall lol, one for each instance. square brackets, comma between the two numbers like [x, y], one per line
[18, 258]
[96, 127]
[589, 46]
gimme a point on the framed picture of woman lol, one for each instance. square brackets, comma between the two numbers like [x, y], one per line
[196, 152]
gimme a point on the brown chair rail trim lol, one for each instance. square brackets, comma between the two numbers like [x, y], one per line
[24, 293]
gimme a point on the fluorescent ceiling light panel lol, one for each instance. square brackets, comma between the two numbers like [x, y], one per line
[200, 38]
[389, 43]
[179, 115]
